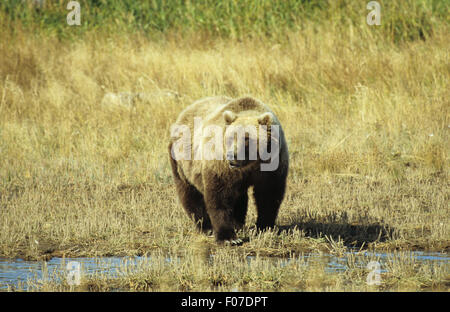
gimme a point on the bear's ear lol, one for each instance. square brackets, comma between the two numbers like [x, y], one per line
[229, 116]
[265, 119]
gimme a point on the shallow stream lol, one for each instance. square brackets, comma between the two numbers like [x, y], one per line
[16, 272]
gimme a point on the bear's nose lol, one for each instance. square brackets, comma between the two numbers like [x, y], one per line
[230, 155]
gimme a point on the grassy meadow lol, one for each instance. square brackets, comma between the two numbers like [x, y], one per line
[365, 110]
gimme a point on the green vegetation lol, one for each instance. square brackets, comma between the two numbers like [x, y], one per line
[402, 20]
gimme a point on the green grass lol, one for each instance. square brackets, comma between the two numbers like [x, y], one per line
[401, 20]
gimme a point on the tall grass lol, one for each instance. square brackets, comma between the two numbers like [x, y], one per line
[402, 20]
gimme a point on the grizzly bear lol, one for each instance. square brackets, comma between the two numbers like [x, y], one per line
[213, 168]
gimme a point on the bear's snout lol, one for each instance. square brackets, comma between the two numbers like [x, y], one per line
[240, 155]
[232, 160]
[236, 163]
[230, 156]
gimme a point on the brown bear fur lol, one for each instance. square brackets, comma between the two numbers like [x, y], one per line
[212, 192]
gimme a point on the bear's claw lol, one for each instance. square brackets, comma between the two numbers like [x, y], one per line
[234, 242]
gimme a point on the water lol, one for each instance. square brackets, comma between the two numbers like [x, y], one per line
[16, 272]
[340, 263]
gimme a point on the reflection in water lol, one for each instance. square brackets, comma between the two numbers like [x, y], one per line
[16, 272]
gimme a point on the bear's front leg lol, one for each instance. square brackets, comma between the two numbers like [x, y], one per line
[268, 194]
[219, 206]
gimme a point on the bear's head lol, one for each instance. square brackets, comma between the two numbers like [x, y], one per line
[251, 137]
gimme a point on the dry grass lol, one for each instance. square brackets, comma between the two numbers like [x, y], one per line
[367, 123]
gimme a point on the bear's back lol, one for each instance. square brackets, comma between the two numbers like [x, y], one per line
[201, 108]
[210, 110]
